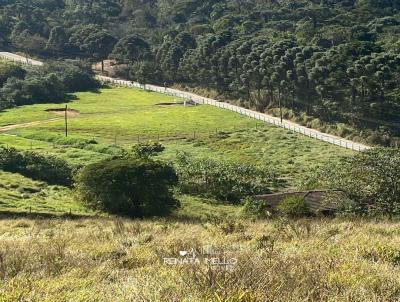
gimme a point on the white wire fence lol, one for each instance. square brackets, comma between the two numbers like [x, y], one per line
[331, 139]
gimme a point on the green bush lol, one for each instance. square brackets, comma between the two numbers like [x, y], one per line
[36, 166]
[129, 187]
[371, 179]
[256, 208]
[114, 150]
[148, 149]
[223, 180]
[294, 206]
[8, 70]
[343, 130]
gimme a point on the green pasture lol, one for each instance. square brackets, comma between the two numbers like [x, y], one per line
[117, 118]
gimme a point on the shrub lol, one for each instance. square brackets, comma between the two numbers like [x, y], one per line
[126, 186]
[223, 180]
[8, 70]
[10, 159]
[371, 179]
[257, 208]
[146, 150]
[114, 150]
[294, 206]
[36, 166]
[343, 130]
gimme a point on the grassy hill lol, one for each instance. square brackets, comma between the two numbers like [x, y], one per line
[124, 116]
[46, 254]
[332, 65]
[108, 120]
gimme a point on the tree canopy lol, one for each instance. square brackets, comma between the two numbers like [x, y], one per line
[132, 187]
[51, 82]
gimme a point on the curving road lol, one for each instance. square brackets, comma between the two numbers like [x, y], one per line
[20, 59]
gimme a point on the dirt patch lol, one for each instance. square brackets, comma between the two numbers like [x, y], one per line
[26, 125]
[61, 111]
[188, 104]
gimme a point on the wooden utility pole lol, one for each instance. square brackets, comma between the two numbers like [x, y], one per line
[66, 120]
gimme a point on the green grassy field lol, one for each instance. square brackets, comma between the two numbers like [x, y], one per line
[53, 249]
[21, 195]
[119, 117]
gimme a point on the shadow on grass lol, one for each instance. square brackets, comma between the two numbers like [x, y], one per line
[69, 97]
[103, 86]
[6, 214]
[95, 91]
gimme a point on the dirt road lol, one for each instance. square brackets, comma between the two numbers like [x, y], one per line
[26, 125]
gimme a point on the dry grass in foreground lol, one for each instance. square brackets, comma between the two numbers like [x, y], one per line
[122, 260]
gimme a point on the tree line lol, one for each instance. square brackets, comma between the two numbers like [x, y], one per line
[40, 84]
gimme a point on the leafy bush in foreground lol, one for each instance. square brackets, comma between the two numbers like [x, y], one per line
[36, 166]
[126, 186]
[371, 179]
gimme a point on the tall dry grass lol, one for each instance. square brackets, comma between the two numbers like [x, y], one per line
[122, 260]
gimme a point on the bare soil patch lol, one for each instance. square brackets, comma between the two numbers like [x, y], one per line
[61, 111]
[188, 104]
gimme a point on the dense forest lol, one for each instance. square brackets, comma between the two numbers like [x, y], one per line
[338, 61]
